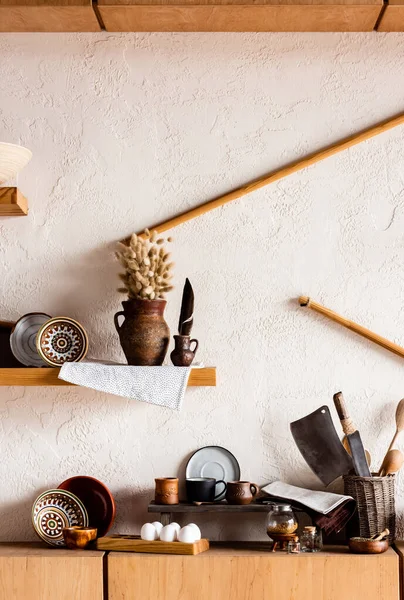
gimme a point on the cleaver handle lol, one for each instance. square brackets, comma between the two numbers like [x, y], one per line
[347, 425]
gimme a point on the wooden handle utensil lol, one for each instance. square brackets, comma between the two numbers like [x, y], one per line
[399, 422]
[381, 535]
[359, 458]
[366, 333]
[399, 429]
[392, 463]
[282, 172]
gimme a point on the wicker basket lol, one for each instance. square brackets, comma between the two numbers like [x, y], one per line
[375, 499]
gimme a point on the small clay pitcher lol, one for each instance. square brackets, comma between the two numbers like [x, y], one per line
[144, 334]
[183, 355]
[166, 490]
[241, 492]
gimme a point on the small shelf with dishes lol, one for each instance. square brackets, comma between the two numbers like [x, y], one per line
[49, 377]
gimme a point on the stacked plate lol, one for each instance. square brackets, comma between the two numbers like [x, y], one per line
[13, 158]
[78, 501]
[37, 340]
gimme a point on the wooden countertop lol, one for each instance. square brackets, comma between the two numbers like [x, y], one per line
[263, 549]
[27, 549]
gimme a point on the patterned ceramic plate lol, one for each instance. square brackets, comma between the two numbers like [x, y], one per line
[62, 340]
[55, 509]
[23, 339]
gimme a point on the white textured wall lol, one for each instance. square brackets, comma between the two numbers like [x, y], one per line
[129, 129]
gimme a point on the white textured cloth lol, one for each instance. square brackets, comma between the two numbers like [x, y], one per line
[164, 386]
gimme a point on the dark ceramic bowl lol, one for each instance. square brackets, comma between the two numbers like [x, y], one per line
[359, 545]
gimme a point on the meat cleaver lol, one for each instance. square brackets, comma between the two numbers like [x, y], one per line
[353, 436]
[320, 446]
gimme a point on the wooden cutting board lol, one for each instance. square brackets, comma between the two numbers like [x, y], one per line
[132, 543]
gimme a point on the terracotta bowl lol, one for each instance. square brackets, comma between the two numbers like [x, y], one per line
[77, 538]
[359, 545]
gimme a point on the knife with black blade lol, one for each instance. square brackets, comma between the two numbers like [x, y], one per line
[353, 436]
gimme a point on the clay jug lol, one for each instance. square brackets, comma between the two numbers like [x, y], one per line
[182, 355]
[144, 334]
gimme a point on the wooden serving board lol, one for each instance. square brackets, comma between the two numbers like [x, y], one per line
[133, 543]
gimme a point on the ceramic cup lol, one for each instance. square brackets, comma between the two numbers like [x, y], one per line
[166, 490]
[202, 489]
[77, 538]
[241, 492]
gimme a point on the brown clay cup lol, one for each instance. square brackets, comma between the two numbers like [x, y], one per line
[166, 490]
[241, 492]
[78, 538]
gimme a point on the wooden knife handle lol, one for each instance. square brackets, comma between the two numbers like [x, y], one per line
[342, 411]
[340, 406]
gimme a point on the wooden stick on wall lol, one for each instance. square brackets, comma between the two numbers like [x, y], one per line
[282, 172]
[366, 333]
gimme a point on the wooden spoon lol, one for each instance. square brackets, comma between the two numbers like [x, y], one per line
[399, 422]
[392, 462]
[399, 428]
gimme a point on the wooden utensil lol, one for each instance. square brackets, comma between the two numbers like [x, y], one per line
[392, 462]
[353, 435]
[381, 535]
[366, 333]
[132, 543]
[282, 172]
[399, 423]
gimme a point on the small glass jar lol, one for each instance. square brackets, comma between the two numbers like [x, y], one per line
[311, 540]
[293, 547]
[281, 520]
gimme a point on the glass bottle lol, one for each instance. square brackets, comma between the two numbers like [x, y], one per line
[281, 520]
[310, 540]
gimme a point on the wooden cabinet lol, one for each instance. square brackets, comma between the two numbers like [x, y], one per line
[239, 15]
[393, 17]
[254, 575]
[47, 15]
[39, 572]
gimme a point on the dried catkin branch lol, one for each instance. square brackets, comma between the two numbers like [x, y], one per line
[147, 270]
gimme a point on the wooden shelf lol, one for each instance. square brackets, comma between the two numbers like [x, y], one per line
[223, 507]
[47, 15]
[239, 15]
[49, 377]
[12, 202]
[393, 17]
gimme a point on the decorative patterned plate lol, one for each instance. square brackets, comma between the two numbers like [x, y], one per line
[214, 461]
[62, 340]
[23, 339]
[55, 509]
[97, 499]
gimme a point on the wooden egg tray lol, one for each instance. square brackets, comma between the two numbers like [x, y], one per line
[133, 543]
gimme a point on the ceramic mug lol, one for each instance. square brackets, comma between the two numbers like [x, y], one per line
[166, 490]
[202, 489]
[241, 492]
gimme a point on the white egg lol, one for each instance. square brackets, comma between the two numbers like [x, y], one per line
[148, 532]
[168, 534]
[197, 530]
[158, 526]
[187, 535]
[177, 529]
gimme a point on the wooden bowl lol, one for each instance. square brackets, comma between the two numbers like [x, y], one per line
[77, 538]
[359, 545]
